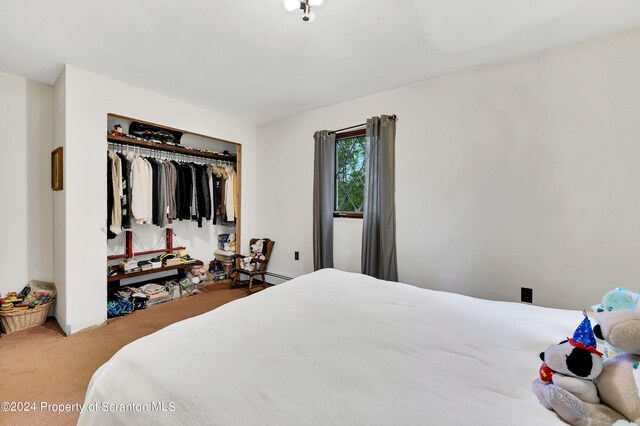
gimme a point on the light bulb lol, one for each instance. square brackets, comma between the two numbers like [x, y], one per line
[312, 16]
[291, 5]
[315, 2]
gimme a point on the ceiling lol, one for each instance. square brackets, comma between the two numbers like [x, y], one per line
[255, 60]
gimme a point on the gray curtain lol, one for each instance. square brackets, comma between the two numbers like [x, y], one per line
[323, 199]
[379, 224]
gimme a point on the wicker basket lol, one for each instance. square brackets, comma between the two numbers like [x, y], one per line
[13, 321]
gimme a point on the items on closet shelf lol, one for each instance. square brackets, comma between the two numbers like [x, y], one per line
[148, 190]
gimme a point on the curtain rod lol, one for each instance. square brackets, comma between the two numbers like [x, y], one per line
[393, 117]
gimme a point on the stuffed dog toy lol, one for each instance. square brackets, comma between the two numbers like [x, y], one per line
[617, 384]
[230, 244]
[573, 364]
[258, 249]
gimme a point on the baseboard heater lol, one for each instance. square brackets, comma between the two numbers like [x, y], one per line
[282, 277]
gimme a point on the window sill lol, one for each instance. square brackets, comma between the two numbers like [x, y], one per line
[349, 215]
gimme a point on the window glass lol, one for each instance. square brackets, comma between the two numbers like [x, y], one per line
[350, 174]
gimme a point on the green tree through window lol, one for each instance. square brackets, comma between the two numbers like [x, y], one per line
[350, 174]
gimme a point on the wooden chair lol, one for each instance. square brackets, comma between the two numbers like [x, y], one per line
[261, 265]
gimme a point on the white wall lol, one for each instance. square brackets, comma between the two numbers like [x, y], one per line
[26, 211]
[523, 173]
[59, 200]
[88, 99]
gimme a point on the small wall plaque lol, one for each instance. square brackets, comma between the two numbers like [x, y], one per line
[56, 169]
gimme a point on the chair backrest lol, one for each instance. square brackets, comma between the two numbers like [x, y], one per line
[267, 253]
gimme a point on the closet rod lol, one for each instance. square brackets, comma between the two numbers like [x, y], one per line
[392, 117]
[122, 140]
[178, 156]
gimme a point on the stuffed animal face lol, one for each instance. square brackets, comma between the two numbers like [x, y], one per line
[620, 329]
[257, 247]
[573, 361]
[618, 299]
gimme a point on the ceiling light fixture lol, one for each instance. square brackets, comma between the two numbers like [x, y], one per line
[305, 6]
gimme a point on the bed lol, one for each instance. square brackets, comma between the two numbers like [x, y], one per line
[335, 348]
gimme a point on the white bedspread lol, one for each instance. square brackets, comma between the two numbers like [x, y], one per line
[334, 348]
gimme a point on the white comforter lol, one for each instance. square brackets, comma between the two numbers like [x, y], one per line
[334, 348]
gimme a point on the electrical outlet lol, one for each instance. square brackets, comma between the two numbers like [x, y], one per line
[296, 255]
[526, 295]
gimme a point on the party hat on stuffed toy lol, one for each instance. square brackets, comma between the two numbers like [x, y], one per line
[583, 337]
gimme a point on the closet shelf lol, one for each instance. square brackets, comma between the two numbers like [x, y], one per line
[169, 148]
[122, 276]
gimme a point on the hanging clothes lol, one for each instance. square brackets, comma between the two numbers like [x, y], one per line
[116, 177]
[154, 191]
[210, 185]
[171, 190]
[207, 192]
[194, 193]
[215, 194]
[134, 188]
[148, 190]
[144, 166]
[126, 191]
[179, 188]
[139, 188]
[110, 234]
[199, 196]
[162, 204]
[187, 193]
[236, 199]
[223, 184]
[202, 195]
[229, 194]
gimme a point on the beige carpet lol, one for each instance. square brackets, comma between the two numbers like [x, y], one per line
[41, 365]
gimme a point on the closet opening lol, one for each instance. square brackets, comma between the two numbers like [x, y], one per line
[173, 212]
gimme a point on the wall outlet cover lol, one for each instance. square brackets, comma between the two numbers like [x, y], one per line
[526, 295]
[296, 255]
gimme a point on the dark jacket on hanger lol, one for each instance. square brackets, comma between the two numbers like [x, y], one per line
[110, 235]
[200, 196]
[202, 193]
[155, 191]
[178, 190]
[185, 192]
[216, 196]
[194, 192]
[126, 190]
[207, 192]
[221, 192]
[162, 194]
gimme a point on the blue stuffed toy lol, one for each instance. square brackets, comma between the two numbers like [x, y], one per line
[617, 299]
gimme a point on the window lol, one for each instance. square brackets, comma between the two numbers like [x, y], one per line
[350, 174]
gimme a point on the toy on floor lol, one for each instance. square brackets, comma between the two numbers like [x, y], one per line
[617, 384]
[187, 288]
[574, 363]
[197, 274]
[258, 251]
